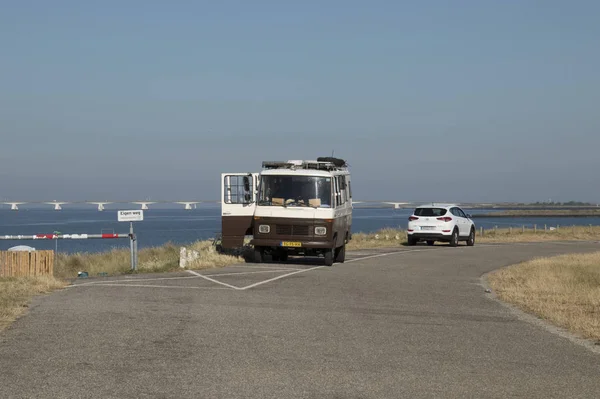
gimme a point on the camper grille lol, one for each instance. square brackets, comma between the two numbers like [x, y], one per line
[291, 230]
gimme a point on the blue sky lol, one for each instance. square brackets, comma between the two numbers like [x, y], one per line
[438, 100]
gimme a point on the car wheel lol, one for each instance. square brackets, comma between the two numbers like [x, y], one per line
[412, 241]
[471, 240]
[430, 242]
[454, 238]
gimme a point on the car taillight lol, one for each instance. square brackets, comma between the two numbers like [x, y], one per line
[445, 219]
[411, 218]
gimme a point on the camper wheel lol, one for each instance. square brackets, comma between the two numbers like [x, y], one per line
[340, 254]
[258, 254]
[283, 256]
[328, 255]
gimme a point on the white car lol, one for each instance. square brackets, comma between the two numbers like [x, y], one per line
[448, 223]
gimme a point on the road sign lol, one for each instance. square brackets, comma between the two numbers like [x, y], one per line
[131, 216]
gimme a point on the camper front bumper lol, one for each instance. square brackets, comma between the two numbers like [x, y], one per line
[292, 243]
[293, 233]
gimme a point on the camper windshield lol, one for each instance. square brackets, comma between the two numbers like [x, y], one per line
[287, 190]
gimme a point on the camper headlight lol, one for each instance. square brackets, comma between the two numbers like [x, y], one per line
[264, 229]
[320, 230]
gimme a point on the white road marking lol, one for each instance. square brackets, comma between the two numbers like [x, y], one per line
[128, 283]
[257, 272]
[213, 280]
[130, 280]
[155, 286]
[279, 277]
[266, 267]
[385, 254]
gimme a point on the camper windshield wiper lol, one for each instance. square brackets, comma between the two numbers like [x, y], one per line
[269, 203]
[304, 204]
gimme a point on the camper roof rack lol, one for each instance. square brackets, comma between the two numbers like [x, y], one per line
[322, 163]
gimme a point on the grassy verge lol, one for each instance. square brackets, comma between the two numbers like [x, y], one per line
[166, 258]
[577, 233]
[543, 212]
[564, 290]
[150, 260]
[380, 239]
[393, 237]
[16, 294]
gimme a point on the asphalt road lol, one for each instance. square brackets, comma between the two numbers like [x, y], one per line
[416, 323]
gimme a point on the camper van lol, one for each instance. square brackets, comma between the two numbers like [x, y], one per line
[296, 207]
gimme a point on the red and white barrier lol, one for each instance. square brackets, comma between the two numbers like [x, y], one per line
[64, 236]
[131, 236]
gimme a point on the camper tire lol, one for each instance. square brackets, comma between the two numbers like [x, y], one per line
[328, 255]
[340, 254]
[280, 255]
[258, 255]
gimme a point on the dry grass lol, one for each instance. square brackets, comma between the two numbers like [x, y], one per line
[564, 290]
[380, 239]
[16, 294]
[585, 233]
[166, 258]
[150, 260]
[396, 237]
[544, 212]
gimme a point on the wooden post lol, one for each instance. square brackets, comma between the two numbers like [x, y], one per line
[523, 229]
[535, 228]
[510, 230]
[545, 228]
[481, 230]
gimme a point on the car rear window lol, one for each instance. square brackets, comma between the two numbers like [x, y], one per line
[430, 212]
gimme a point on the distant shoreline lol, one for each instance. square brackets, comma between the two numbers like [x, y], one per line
[540, 213]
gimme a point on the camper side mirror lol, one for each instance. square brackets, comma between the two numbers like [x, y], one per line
[247, 193]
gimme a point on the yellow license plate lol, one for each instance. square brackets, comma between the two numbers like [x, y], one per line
[291, 244]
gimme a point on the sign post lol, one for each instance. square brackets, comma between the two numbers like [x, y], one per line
[132, 216]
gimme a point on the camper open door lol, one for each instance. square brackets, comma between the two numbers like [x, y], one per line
[238, 202]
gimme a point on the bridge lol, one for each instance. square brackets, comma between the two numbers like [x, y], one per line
[192, 204]
[187, 205]
[101, 205]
